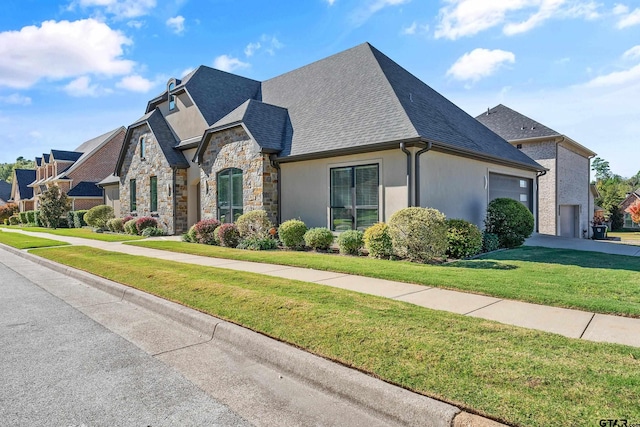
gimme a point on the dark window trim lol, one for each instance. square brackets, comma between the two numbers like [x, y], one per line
[132, 196]
[143, 147]
[354, 206]
[153, 195]
[234, 207]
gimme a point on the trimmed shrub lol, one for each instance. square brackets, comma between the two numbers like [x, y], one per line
[510, 220]
[31, 217]
[350, 242]
[216, 236]
[254, 224]
[464, 238]
[418, 234]
[152, 231]
[190, 236]
[319, 238]
[205, 231]
[98, 216]
[63, 222]
[70, 219]
[377, 241]
[23, 218]
[8, 210]
[6, 221]
[145, 222]
[490, 242]
[258, 244]
[291, 233]
[228, 235]
[38, 219]
[78, 218]
[115, 225]
[14, 220]
[130, 227]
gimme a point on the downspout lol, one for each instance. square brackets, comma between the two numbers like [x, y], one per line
[418, 154]
[408, 153]
[276, 165]
[538, 175]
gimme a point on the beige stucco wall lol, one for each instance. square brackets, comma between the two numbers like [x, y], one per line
[185, 120]
[305, 185]
[459, 186]
[573, 184]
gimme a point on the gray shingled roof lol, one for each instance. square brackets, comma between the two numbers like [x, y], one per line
[5, 190]
[24, 177]
[163, 134]
[38, 161]
[267, 124]
[85, 189]
[512, 125]
[89, 147]
[360, 98]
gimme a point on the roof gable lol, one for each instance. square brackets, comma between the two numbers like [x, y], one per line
[511, 125]
[85, 189]
[5, 190]
[66, 156]
[88, 148]
[24, 177]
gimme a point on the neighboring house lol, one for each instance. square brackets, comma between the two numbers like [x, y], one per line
[21, 192]
[78, 172]
[5, 192]
[565, 198]
[632, 198]
[341, 143]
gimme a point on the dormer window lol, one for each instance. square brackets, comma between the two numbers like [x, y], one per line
[172, 98]
[143, 147]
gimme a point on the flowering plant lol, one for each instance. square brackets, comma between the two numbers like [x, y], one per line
[598, 220]
[634, 210]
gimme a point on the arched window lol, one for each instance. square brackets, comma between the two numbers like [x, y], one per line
[172, 98]
[143, 147]
[229, 195]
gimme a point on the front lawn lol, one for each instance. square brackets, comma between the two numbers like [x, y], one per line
[558, 277]
[84, 233]
[627, 237]
[22, 241]
[516, 375]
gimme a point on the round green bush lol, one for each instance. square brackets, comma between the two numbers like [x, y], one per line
[204, 231]
[291, 233]
[115, 225]
[14, 220]
[130, 227]
[377, 241]
[319, 238]
[152, 231]
[98, 216]
[490, 242]
[78, 218]
[464, 239]
[228, 235]
[254, 224]
[350, 242]
[190, 236]
[418, 234]
[258, 244]
[510, 220]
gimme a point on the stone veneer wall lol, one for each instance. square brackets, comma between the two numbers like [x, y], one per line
[233, 148]
[154, 164]
[545, 154]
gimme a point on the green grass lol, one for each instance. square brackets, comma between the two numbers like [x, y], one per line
[21, 241]
[627, 237]
[558, 277]
[516, 375]
[84, 233]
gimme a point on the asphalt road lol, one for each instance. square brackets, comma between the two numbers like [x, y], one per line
[58, 367]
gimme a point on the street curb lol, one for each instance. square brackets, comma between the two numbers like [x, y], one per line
[371, 394]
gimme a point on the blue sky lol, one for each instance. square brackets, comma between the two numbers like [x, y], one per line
[74, 69]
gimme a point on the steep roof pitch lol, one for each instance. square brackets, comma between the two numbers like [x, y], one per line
[360, 99]
[163, 134]
[24, 177]
[85, 189]
[88, 148]
[512, 125]
[214, 92]
[5, 191]
[68, 156]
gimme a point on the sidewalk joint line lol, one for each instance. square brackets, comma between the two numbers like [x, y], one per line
[337, 277]
[588, 324]
[182, 348]
[480, 308]
[428, 288]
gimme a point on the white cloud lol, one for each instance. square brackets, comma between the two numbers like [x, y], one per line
[176, 24]
[620, 9]
[15, 99]
[59, 50]
[135, 24]
[273, 44]
[186, 71]
[371, 7]
[627, 19]
[228, 63]
[251, 48]
[330, 2]
[122, 9]
[617, 78]
[480, 63]
[633, 53]
[411, 29]
[135, 83]
[82, 87]
[460, 18]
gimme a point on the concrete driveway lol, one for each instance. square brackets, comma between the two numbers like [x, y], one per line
[603, 246]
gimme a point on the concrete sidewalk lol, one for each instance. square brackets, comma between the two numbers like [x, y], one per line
[567, 322]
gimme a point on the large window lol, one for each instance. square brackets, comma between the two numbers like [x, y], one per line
[229, 195]
[354, 197]
[132, 195]
[153, 186]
